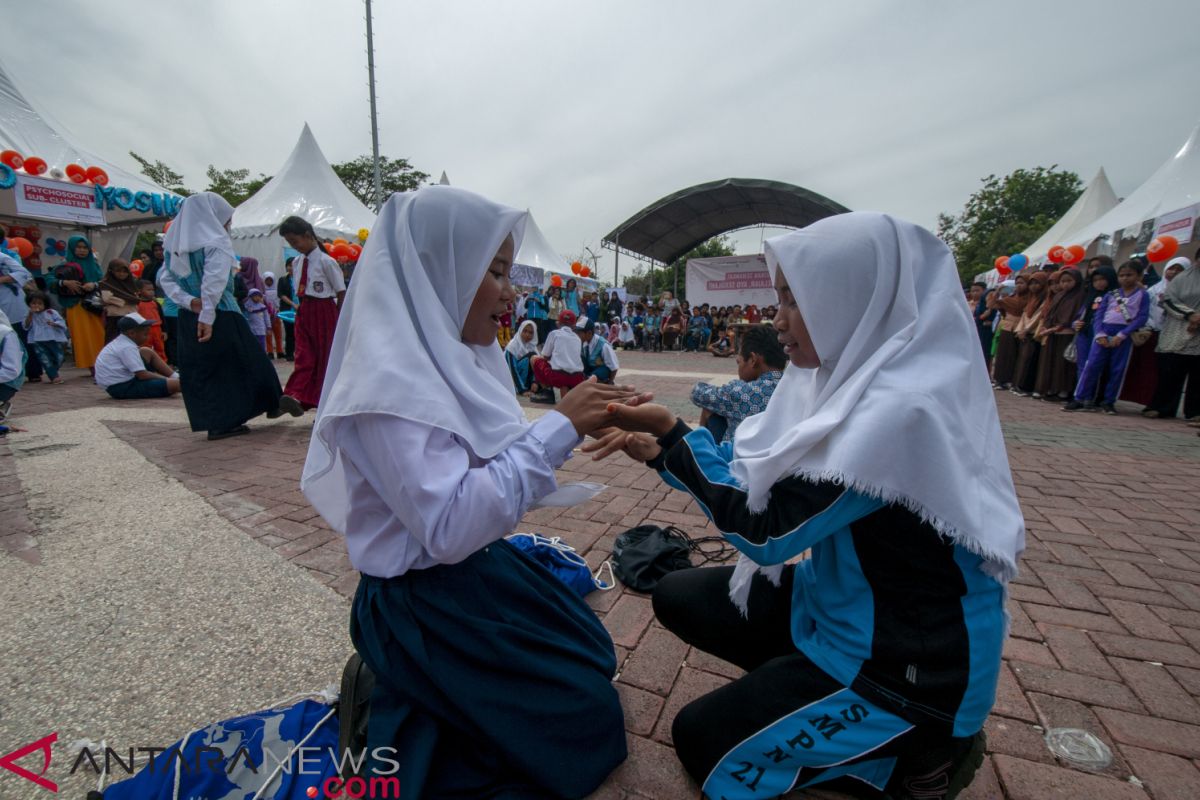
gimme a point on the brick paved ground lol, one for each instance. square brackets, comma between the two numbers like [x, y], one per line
[1105, 615]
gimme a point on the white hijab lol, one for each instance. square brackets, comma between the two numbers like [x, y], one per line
[901, 407]
[272, 290]
[414, 283]
[201, 223]
[626, 334]
[1160, 287]
[520, 348]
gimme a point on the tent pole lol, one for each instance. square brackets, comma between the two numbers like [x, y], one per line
[374, 117]
[617, 262]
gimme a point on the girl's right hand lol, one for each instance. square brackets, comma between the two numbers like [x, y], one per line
[638, 446]
[586, 406]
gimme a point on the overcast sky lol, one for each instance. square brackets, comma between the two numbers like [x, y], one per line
[586, 111]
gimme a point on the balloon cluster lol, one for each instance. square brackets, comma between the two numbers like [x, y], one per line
[56, 247]
[580, 269]
[38, 166]
[1162, 248]
[344, 252]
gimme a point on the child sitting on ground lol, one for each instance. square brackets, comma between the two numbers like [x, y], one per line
[148, 308]
[129, 370]
[560, 366]
[722, 346]
[599, 358]
[46, 332]
[760, 366]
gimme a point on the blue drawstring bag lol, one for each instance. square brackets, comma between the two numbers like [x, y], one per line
[561, 559]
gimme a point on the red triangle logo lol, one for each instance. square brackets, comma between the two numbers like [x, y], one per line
[9, 760]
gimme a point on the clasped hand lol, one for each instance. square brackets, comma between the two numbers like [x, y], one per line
[634, 431]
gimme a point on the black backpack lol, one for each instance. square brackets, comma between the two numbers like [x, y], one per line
[642, 555]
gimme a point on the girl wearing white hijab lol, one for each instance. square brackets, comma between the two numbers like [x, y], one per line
[224, 371]
[491, 674]
[880, 451]
[1178, 348]
[518, 353]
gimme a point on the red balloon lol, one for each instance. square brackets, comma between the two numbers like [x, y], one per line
[33, 262]
[1001, 262]
[136, 267]
[341, 251]
[1056, 254]
[35, 165]
[33, 233]
[576, 267]
[12, 158]
[1073, 254]
[97, 176]
[76, 173]
[1162, 248]
[584, 272]
[18, 231]
[556, 280]
[23, 246]
[355, 251]
[1004, 270]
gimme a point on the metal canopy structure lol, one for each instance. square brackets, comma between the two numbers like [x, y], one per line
[668, 228]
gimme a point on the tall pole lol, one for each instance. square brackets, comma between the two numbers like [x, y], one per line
[617, 262]
[374, 116]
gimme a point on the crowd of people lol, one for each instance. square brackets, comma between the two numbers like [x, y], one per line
[1087, 337]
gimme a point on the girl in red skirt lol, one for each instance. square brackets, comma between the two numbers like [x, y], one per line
[320, 289]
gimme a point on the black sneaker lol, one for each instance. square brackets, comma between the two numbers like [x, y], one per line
[544, 397]
[354, 705]
[1074, 405]
[1107, 408]
[939, 773]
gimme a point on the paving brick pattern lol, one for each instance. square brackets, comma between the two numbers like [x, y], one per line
[1105, 616]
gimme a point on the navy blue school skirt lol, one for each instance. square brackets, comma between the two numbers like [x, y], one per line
[493, 680]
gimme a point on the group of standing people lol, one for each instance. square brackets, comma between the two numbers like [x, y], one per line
[1088, 337]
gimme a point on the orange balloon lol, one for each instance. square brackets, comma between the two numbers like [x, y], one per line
[135, 267]
[1056, 254]
[97, 176]
[76, 173]
[1073, 254]
[1001, 262]
[12, 158]
[355, 250]
[556, 280]
[576, 266]
[1162, 248]
[35, 165]
[584, 272]
[340, 240]
[341, 251]
[23, 246]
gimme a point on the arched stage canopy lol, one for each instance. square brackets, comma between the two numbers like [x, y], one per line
[668, 228]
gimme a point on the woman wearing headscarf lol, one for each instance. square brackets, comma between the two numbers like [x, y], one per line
[120, 292]
[877, 657]
[519, 352]
[86, 327]
[1028, 346]
[1056, 375]
[1010, 306]
[1178, 346]
[227, 379]
[492, 677]
[248, 272]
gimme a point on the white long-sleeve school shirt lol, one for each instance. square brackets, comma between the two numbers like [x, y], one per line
[418, 497]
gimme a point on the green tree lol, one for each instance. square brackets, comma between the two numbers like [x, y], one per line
[1007, 215]
[235, 185]
[653, 282]
[396, 175]
[161, 174]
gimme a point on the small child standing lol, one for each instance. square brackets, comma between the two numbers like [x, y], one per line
[46, 332]
[275, 348]
[256, 315]
[1121, 312]
[148, 308]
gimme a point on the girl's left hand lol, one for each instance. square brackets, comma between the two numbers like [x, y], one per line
[638, 446]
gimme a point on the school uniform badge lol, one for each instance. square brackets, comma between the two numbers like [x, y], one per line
[318, 286]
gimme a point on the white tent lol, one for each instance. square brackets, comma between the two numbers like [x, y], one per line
[1096, 201]
[1174, 187]
[305, 186]
[111, 226]
[537, 252]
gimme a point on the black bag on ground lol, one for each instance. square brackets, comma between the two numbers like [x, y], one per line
[642, 555]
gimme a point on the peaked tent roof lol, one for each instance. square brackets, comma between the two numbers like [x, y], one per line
[536, 251]
[668, 228]
[1096, 201]
[23, 129]
[305, 186]
[1174, 185]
